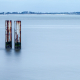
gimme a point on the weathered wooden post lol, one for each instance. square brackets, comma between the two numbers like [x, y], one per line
[17, 35]
[8, 34]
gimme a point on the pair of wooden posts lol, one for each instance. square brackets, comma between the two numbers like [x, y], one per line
[8, 34]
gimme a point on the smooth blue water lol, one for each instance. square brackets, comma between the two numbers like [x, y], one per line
[50, 48]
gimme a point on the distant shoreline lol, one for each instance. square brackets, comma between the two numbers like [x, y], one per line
[39, 14]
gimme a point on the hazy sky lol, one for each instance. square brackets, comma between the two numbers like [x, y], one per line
[40, 5]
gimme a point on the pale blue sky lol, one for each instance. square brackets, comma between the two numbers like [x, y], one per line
[40, 5]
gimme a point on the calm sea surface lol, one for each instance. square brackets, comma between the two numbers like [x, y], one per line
[50, 48]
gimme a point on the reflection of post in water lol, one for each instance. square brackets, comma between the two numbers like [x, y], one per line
[17, 34]
[8, 34]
